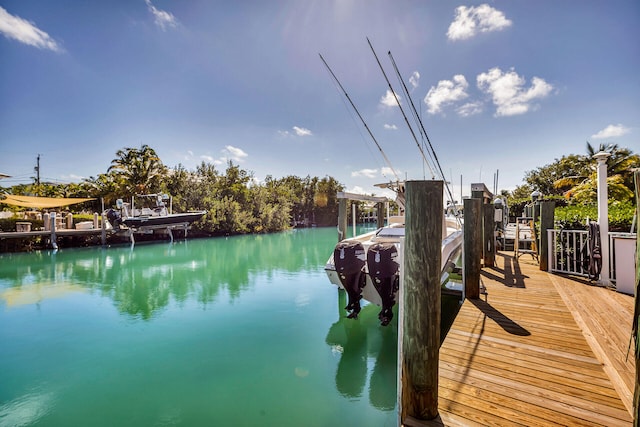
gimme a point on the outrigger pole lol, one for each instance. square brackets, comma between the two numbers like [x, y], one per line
[424, 132]
[401, 110]
[360, 117]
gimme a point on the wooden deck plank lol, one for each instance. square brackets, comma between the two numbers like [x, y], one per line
[538, 349]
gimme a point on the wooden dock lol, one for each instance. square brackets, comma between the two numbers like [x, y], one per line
[537, 350]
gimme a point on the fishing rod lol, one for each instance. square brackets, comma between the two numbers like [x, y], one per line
[402, 110]
[361, 119]
[433, 152]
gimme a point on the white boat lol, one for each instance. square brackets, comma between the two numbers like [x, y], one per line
[146, 219]
[366, 266]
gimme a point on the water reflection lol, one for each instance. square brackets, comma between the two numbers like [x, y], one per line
[145, 278]
[358, 340]
[26, 409]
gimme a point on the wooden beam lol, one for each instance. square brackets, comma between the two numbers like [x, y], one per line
[420, 333]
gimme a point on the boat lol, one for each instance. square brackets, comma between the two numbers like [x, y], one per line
[366, 266]
[146, 219]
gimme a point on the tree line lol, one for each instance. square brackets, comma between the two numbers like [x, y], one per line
[235, 202]
[571, 182]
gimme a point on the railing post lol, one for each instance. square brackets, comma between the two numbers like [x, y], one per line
[603, 215]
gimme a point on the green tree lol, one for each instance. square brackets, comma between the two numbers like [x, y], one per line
[582, 187]
[137, 171]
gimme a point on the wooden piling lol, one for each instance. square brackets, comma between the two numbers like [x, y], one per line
[420, 321]
[53, 238]
[342, 219]
[488, 235]
[379, 215]
[472, 247]
[547, 209]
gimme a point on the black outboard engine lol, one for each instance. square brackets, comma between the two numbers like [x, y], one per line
[383, 269]
[114, 218]
[349, 259]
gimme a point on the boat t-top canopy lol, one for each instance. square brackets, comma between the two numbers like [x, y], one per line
[40, 202]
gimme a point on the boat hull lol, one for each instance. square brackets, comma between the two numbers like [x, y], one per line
[163, 221]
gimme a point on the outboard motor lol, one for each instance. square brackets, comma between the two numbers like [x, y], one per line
[383, 269]
[349, 259]
[114, 218]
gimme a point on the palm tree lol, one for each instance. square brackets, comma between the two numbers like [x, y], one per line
[583, 187]
[137, 171]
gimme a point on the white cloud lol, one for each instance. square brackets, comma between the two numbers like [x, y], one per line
[471, 20]
[390, 127]
[388, 100]
[302, 131]
[387, 171]
[414, 79]
[611, 131]
[447, 92]
[367, 173]
[14, 27]
[207, 158]
[235, 153]
[163, 19]
[356, 190]
[470, 109]
[508, 92]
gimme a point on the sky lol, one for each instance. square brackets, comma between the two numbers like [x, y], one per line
[501, 87]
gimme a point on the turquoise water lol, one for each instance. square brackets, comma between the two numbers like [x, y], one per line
[242, 331]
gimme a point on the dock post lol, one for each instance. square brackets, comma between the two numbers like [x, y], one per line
[103, 234]
[53, 238]
[379, 215]
[489, 235]
[342, 219]
[420, 332]
[472, 247]
[547, 209]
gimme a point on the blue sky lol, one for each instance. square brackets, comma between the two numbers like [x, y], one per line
[502, 85]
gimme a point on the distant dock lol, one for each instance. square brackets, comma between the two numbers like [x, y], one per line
[53, 235]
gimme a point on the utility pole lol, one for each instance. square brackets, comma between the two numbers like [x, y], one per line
[37, 170]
